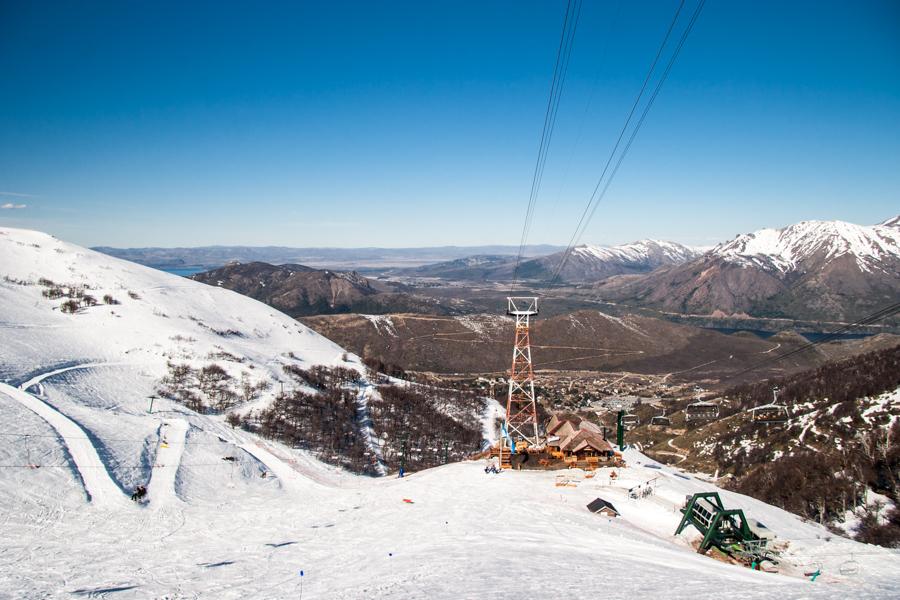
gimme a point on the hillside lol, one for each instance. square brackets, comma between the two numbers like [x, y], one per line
[299, 291]
[813, 270]
[583, 340]
[101, 323]
[839, 441]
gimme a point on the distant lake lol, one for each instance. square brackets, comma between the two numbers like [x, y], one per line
[184, 271]
[811, 336]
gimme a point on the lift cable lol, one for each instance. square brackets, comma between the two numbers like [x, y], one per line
[591, 206]
[563, 55]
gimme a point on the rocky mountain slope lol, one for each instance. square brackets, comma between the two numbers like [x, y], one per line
[813, 270]
[298, 290]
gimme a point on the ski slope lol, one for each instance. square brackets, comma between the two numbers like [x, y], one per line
[465, 535]
[229, 515]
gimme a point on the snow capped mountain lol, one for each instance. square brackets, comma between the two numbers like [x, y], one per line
[813, 270]
[590, 263]
[646, 253]
[810, 245]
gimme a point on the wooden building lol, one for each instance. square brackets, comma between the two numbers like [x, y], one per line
[580, 443]
[603, 507]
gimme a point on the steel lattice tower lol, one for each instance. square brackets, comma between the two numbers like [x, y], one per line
[521, 408]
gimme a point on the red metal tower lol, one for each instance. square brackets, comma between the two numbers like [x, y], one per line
[521, 423]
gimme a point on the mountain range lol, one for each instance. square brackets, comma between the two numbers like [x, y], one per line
[826, 270]
[817, 271]
[585, 263]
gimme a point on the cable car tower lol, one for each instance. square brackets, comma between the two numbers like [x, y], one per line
[521, 423]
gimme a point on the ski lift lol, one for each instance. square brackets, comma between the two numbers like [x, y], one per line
[850, 567]
[630, 420]
[701, 411]
[661, 421]
[772, 412]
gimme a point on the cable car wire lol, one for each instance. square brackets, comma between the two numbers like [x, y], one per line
[594, 200]
[560, 70]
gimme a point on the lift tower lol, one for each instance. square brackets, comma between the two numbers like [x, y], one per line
[521, 422]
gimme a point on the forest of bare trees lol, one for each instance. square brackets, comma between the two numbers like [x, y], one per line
[859, 452]
[423, 426]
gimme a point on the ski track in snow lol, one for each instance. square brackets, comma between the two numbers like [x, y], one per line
[100, 487]
[364, 422]
[161, 489]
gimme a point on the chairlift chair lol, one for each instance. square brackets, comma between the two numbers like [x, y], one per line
[849, 567]
[770, 413]
[660, 420]
[701, 411]
[630, 420]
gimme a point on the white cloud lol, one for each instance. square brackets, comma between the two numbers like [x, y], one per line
[11, 206]
[17, 195]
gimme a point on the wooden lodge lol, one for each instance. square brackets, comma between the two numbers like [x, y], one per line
[579, 443]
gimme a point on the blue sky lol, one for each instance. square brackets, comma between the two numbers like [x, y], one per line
[411, 124]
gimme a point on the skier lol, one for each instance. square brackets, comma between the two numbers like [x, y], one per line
[139, 492]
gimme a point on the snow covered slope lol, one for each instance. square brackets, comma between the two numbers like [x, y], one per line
[105, 359]
[159, 317]
[463, 535]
